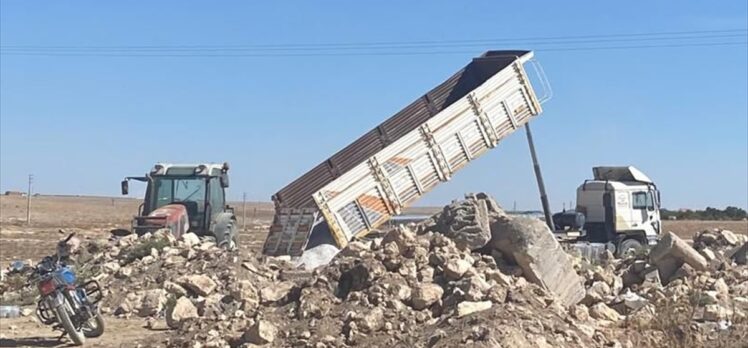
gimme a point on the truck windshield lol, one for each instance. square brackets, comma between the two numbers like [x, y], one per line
[167, 190]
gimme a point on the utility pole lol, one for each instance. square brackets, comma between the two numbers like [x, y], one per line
[244, 211]
[28, 200]
[539, 177]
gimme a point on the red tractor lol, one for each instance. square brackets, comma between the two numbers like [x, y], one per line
[186, 198]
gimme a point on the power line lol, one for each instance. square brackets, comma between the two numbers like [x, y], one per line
[372, 49]
[379, 53]
[400, 44]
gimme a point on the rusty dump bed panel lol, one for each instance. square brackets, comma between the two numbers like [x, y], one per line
[394, 164]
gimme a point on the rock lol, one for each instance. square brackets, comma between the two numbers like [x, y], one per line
[499, 277]
[454, 269]
[629, 303]
[466, 222]
[530, 243]
[468, 307]
[174, 289]
[596, 293]
[721, 287]
[198, 283]
[124, 272]
[404, 237]
[603, 312]
[729, 237]
[708, 254]
[474, 288]
[182, 310]
[276, 292]
[262, 332]
[246, 293]
[190, 239]
[152, 303]
[111, 267]
[580, 312]
[671, 252]
[372, 321]
[425, 294]
[714, 312]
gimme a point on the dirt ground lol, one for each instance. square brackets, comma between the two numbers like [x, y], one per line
[94, 217]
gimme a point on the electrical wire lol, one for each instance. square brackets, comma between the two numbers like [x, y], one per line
[735, 37]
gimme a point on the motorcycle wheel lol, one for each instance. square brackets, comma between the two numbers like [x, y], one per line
[95, 330]
[64, 318]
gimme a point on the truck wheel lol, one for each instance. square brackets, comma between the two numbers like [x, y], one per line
[627, 246]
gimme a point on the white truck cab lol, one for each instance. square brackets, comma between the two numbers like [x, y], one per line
[620, 205]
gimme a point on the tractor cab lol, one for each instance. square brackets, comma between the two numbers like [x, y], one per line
[185, 198]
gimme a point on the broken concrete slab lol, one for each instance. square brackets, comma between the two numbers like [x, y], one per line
[671, 252]
[466, 222]
[531, 244]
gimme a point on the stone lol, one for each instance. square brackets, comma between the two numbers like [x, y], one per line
[181, 311]
[198, 283]
[714, 312]
[498, 277]
[469, 307]
[175, 289]
[372, 321]
[596, 293]
[454, 269]
[671, 252]
[124, 272]
[404, 237]
[246, 293]
[425, 294]
[531, 244]
[276, 292]
[152, 302]
[474, 288]
[603, 312]
[629, 302]
[708, 254]
[111, 267]
[262, 332]
[729, 237]
[721, 287]
[190, 239]
[580, 312]
[466, 222]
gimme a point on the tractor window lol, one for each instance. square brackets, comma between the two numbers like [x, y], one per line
[639, 200]
[175, 190]
[216, 196]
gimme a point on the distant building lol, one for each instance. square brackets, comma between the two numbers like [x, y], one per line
[15, 193]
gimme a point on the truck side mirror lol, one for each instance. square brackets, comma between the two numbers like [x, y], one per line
[125, 185]
[224, 180]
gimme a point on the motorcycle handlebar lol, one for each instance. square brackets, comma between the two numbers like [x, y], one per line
[68, 237]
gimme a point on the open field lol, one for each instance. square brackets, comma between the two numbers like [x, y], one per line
[94, 217]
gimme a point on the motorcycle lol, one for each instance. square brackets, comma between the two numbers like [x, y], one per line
[64, 304]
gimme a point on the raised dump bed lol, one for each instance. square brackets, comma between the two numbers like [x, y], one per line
[394, 164]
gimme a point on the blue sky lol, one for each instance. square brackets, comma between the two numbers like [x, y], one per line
[81, 123]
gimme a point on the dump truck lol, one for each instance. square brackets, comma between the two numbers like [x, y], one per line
[618, 209]
[186, 198]
[388, 168]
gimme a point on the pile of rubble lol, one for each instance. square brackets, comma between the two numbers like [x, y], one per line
[469, 275]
